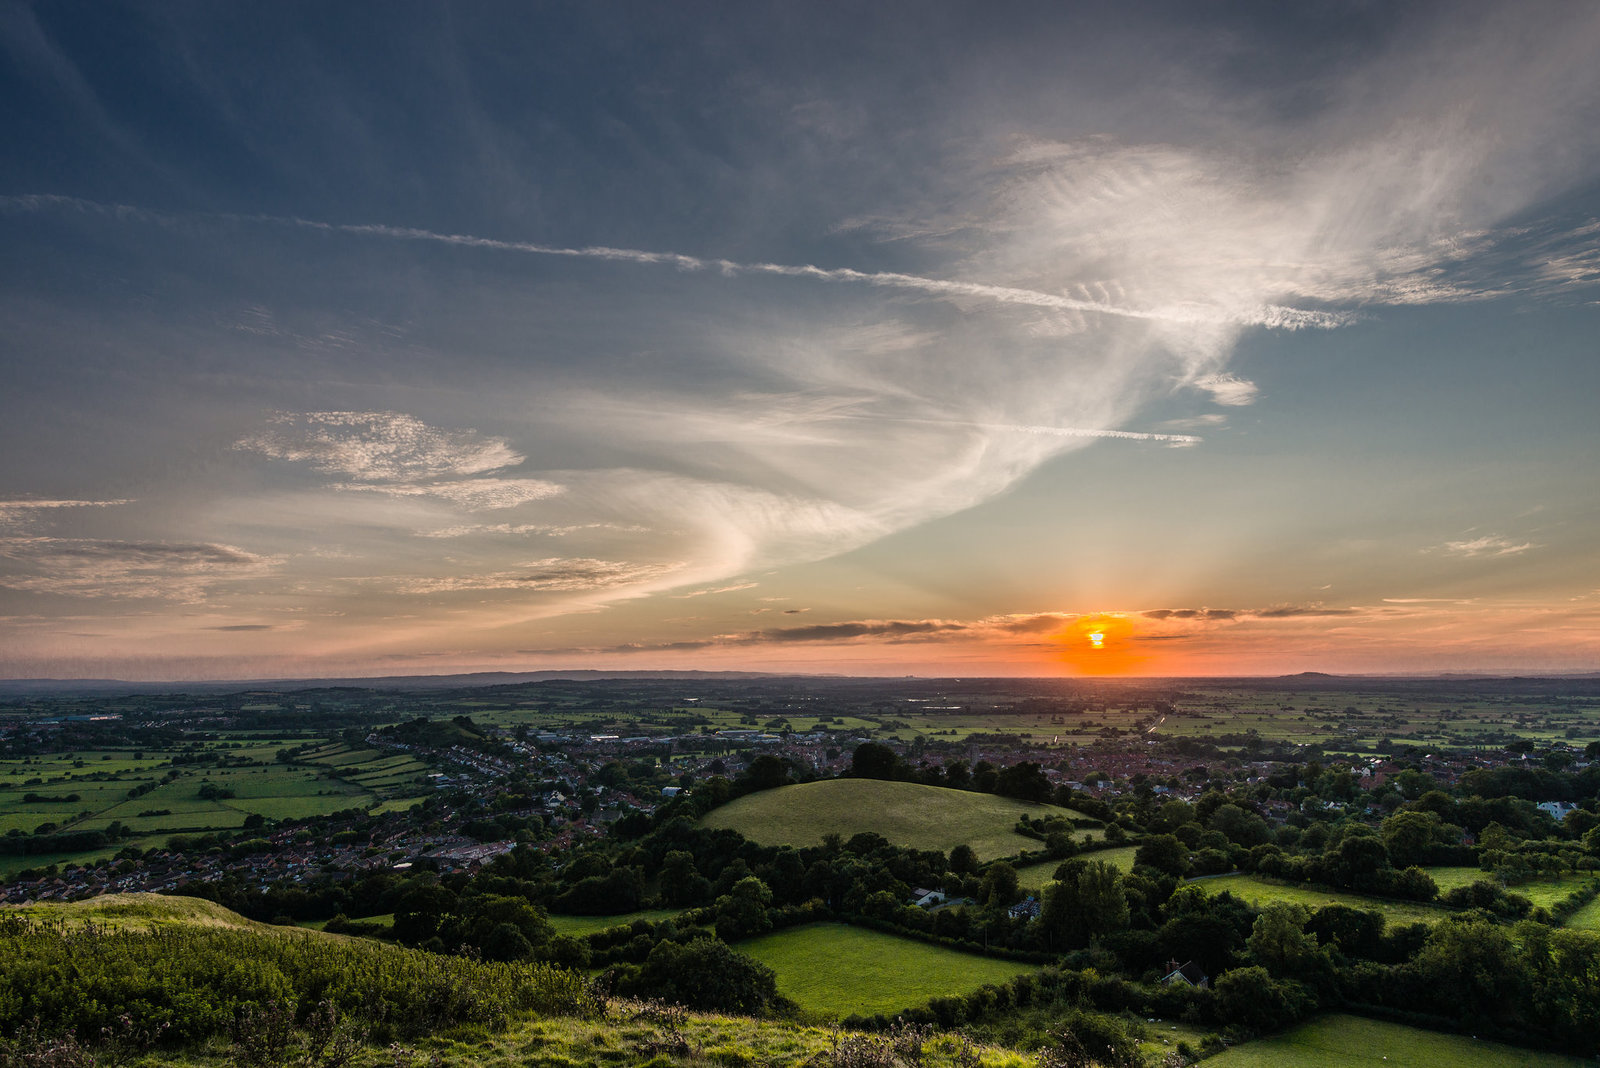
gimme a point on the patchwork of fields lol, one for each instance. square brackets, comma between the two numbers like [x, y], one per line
[193, 790]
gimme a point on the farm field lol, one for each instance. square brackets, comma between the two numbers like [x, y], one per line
[1544, 891]
[1259, 891]
[1586, 918]
[1034, 876]
[1353, 1042]
[834, 970]
[921, 817]
[158, 792]
[578, 926]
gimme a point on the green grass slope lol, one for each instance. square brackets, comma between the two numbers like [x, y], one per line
[921, 817]
[1353, 1042]
[142, 912]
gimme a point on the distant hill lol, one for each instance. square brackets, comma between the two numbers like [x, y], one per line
[907, 814]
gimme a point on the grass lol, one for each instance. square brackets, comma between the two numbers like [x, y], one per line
[1546, 891]
[834, 970]
[1260, 891]
[143, 912]
[578, 926]
[1586, 918]
[1034, 876]
[1352, 1042]
[921, 817]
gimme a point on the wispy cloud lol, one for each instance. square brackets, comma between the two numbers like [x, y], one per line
[552, 574]
[83, 567]
[379, 446]
[473, 494]
[1227, 389]
[1486, 545]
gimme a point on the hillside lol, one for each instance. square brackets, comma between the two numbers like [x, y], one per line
[907, 814]
[172, 982]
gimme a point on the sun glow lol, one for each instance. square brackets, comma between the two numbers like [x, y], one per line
[1101, 644]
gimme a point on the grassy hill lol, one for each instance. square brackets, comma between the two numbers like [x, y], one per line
[144, 912]
[199, 969]
[922, 817]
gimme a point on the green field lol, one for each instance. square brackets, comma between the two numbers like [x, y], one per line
[578, 926]
[835, 970]
[1586, 918]
[1353, 1042]
[921, 817]
[1545, 891]
[1034, 876]
[1260, 891]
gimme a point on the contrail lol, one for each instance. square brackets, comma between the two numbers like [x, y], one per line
[1268, 315]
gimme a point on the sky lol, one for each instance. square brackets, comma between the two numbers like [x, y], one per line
[870, 338]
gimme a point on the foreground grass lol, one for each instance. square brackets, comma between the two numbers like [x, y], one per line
[832, 969]
[907, 814]
[632, 1034]
[1352, 1042]
[1259, 891]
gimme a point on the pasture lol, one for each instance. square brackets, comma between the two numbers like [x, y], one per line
[1586, 918]
[1353, 1042]
[578, 926]
[1545, 891]
[919, 817]
[1034, 876]
[832, 969]
[1259, 891]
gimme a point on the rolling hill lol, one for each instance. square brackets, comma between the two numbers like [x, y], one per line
[907, 814]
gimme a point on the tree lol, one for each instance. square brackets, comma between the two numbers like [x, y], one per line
[873, 760]
[1024, 781]
[1101, 902]
[766, 772]
[963, 861]
[1000, 884]
[743, 912]
[1278, 940]
[1251, 998]
[706, 974]
[1165, 853]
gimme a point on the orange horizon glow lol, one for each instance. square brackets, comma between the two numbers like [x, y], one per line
[1100, 644]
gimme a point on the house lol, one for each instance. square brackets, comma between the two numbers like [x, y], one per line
[927, 899]
[671, 791]
[1557, 810]
[1027, 908]
[1188, 974]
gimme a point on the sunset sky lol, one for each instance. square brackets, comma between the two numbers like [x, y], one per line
[877, 338]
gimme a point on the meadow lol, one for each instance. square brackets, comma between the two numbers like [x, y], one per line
[578, 926]
[1545, 891]
[832, 969]
[1034, 876]
[1340, 1041]
[1260, 891]
[919, 817]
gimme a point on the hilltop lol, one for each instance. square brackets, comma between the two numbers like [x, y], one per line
[907, 814]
